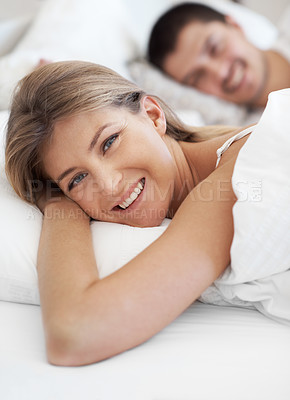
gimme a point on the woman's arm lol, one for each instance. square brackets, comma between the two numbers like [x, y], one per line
[87, 319]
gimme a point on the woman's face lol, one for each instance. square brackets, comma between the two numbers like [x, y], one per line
[114, 164]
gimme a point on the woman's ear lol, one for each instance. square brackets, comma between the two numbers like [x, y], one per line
[155, 113]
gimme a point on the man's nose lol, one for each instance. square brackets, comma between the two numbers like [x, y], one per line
[217, 70]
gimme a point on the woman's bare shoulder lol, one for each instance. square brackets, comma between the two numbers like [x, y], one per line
[202, 156]
[205, 216]
[233, 150]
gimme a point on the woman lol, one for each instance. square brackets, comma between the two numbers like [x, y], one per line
[117, 155]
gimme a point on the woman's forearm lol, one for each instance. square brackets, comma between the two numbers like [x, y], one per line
[87, 319]
[66, 268]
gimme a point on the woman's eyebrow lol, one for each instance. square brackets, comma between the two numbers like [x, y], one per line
[64, 174]
[97, 135]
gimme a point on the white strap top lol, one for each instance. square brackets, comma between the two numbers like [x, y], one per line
[227, 144]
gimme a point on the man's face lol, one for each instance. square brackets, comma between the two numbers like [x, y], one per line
[217, 59]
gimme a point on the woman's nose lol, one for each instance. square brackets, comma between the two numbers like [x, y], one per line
[109, 181]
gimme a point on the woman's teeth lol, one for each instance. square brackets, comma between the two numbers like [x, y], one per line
[133, 196]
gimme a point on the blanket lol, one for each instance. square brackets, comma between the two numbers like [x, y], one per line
[259, 274]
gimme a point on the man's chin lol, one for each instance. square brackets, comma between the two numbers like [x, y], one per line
[260, 97]
[254, 100]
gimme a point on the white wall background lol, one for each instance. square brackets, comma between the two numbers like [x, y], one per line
[17, 8]
[272, 9]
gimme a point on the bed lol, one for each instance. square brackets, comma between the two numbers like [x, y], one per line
[226, 351]
[209, 352]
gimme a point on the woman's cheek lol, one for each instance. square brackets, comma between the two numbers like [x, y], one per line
[77, 194]
[89, 195]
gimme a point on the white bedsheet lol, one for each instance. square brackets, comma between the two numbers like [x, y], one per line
[208, 353]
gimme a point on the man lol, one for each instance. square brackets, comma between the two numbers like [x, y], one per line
[203, 48]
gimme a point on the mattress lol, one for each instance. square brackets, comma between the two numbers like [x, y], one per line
[208, 353]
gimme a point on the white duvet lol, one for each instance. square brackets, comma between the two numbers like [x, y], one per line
[259, 274]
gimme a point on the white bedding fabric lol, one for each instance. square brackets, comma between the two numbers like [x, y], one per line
[208, 353]
[259, 274]
[70, 29]
[211, 109]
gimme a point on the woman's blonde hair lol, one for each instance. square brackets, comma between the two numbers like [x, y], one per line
[56, 91]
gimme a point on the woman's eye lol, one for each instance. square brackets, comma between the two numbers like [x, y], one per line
[76, 180]
[108, 143]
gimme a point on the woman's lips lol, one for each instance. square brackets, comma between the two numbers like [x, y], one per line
[132, 196]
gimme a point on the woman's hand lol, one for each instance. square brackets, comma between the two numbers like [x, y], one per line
[47, 195]
[53, 203]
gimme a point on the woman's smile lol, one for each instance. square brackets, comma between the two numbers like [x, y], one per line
[134, 195]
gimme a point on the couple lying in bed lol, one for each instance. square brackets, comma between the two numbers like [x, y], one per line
[84, 143]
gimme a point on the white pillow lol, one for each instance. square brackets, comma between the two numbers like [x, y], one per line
[87, 30]
[19, 237]
[213, 111]
[90, 30]
[16, 16]
[11, 31]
